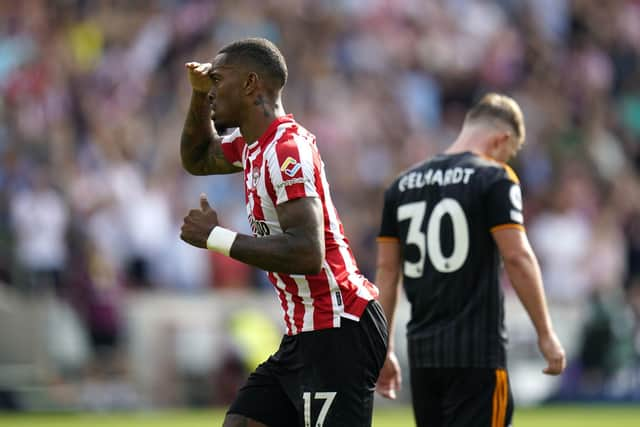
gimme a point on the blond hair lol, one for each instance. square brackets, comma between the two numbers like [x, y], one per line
[494, 106]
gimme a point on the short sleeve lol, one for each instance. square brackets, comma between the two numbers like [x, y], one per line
[232, 146]
[389, 222]
[293, 165]
[504, 204]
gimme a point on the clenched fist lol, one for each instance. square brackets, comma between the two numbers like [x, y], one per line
[198, 224]
[199, 76]
[553, 352]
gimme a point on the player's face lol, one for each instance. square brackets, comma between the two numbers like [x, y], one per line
[514, 146]
[507, 147]
[225, 94]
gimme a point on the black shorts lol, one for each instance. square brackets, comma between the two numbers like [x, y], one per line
[320, 378]
[461, 397]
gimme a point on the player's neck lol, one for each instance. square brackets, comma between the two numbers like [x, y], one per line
[471, 140]
[260, 117]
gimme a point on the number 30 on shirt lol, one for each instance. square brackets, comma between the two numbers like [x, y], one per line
[430, 244]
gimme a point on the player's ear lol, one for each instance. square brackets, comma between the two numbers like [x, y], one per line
[495, 142]
[501, 139]
[251, 83]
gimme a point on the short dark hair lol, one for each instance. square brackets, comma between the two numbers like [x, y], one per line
[259, 53]
[500, 107]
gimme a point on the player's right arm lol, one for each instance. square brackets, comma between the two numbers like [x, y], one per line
[200, 145]
[388, 272]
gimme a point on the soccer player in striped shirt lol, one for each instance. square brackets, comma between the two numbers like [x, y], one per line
[325, 370]
[446, 224]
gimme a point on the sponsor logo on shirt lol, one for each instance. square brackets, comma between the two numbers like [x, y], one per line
[290, 166]
[292, 182]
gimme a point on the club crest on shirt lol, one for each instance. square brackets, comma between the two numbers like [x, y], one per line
[255, 176]
[259, 227]
[290, 166]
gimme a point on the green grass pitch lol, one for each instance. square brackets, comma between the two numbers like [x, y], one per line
[547, 416]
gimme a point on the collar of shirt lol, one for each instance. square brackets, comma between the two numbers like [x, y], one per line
[266, 136]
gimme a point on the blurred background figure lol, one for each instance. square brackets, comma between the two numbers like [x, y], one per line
[92, 99]
[40, 219]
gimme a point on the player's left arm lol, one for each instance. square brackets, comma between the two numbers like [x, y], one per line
[506, 220]
[523, 270]
[300, 249]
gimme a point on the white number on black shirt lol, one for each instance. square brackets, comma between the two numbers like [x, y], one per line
[415, 213]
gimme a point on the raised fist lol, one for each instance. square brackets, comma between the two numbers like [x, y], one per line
[199, 76]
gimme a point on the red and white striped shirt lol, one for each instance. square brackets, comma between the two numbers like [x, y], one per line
[284, 164]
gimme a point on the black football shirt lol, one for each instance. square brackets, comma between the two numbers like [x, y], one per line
[442, 212]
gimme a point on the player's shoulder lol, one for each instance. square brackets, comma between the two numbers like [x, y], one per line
[416, 167]
[493, 169]
[440, 161]
[447, 169]
[233, 136]
[291, 133]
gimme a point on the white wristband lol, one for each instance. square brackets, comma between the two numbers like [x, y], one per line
[220, 240]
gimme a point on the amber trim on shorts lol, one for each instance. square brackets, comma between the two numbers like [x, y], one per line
[500, 399]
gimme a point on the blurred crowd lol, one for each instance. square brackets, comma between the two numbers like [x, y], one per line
[93, 95]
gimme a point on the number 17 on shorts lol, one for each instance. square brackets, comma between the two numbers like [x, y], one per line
[322, 398]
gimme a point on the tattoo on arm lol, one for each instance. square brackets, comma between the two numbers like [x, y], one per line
[300, 249]
[200, 147]
[197, 135]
